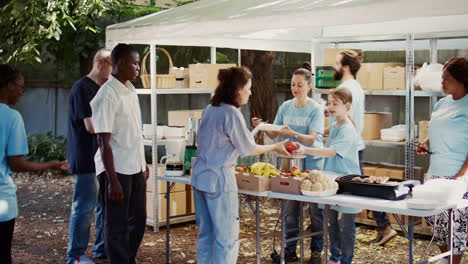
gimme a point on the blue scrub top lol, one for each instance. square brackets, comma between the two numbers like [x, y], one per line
[222, 137]
[344, 140]
[304, 120]
[13, 142]
[448, 136]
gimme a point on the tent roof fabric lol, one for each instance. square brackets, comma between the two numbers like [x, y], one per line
[291, 25]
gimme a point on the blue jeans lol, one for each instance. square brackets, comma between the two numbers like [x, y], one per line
[85, 203]
[342, 234]
[217, 216]
[292, 210]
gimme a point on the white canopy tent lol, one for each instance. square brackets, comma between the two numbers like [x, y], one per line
[292, 25]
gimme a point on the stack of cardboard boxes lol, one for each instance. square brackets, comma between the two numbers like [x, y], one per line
[382, 76]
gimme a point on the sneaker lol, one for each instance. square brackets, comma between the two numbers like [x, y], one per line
[388, 234]
[289, 256]
[333, 262]
[316, 257]
[442, 261]
[83, 260]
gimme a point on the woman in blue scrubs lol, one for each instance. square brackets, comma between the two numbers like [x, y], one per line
[13, 148]
[303, 121]
[448, 142]
[222, 137]
[341, 153]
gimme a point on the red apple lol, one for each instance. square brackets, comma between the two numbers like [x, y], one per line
[290, 146]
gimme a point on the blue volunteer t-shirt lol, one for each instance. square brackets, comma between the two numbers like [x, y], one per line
[13, 142]
[81, 145]
[304, 120]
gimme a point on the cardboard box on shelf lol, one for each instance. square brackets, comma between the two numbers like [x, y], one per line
[423, 130]
[396, 174]
[182, 117]
[394, 78]
[177, 205]
[373, 123]
[254, 183]
[206, 75]
[362, 214]
[371, 75]
[286, 185]
[369, 171]
[190, 202]
[329, 55]
[381, 172]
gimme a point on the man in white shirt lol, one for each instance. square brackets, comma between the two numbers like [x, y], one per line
[120, 160]
[347, 66]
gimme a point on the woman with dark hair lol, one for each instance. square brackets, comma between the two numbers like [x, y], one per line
[13, 148]
[303, 121]
[222, 137]
[448, 143]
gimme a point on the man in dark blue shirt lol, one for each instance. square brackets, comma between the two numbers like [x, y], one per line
[81, 149]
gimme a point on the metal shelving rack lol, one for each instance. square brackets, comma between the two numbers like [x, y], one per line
[155, 142]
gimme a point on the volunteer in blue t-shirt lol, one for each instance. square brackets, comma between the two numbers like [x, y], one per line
[303, 121]
[448, 143]
[13, 147]
[341, 153]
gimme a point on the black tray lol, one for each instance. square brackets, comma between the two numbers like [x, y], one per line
[388, 192]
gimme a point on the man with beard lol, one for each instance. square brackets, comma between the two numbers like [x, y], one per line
[347, 65]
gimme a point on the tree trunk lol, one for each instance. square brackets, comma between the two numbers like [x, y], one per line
[263, 100]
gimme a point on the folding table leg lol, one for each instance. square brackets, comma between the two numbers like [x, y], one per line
[301, 229]
[168, 228]
[326, 240]
[411, 238]
[451, 235]
[283, 232]
[257, 228]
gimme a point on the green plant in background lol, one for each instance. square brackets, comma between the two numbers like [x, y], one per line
[46, 147]
[221, 58]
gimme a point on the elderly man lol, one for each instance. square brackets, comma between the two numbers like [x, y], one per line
[120, 161]
[82, 146]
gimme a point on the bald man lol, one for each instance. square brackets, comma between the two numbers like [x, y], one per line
[82, 146]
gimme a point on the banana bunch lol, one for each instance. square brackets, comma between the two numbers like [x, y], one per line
[264, 169]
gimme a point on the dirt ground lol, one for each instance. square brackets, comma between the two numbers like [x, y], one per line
[41, 232]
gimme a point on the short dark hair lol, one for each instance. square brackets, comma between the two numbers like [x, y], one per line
[458, 68]
[231, 80]
[352, 59]
[306, 71]
[8, 74]
[122, 51]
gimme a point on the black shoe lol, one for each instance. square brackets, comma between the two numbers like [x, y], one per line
[289, 256]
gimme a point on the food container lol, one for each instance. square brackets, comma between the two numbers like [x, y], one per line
[291, 185]
[285, 163]
[397, 191]
[254, 183]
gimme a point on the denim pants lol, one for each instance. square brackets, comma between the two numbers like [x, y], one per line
[217, 216]
[292, 209]
[342, 234]
[6, 229]
[85, 205]
[124, 223]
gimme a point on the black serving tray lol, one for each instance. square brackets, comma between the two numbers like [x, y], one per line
[383, 191]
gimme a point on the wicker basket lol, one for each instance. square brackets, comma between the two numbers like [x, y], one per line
[163, 81]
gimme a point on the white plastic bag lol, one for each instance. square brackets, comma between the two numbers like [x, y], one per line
[429, 77]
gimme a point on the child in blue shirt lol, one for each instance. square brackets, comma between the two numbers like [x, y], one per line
[13, 147]
[341, 153]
